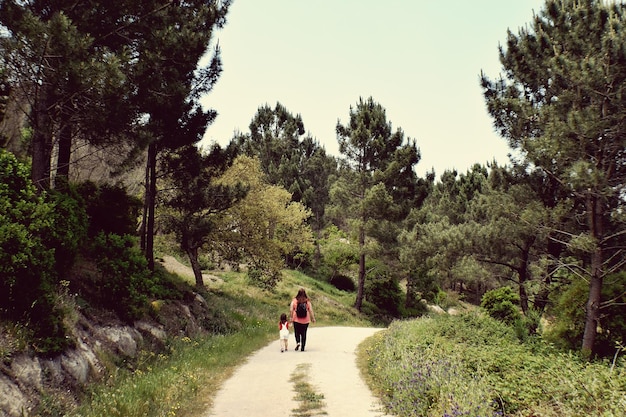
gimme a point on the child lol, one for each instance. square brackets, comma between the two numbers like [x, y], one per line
[283, 328]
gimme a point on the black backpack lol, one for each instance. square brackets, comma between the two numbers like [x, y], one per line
[301, 310]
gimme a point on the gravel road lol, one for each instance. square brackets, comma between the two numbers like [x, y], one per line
[261, 386]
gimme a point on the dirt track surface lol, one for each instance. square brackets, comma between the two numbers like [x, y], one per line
[261, 387]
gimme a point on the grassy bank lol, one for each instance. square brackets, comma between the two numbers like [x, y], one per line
[184, 380]
[473, 366]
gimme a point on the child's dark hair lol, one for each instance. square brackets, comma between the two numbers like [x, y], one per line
[283, 318]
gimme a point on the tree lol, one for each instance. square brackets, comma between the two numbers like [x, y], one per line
[262, 228]
[290, 159]
[377, 177]
[194, 202]
[275, 140]
[560, 104]
[125, 72]
[69, 71]
[171, 42]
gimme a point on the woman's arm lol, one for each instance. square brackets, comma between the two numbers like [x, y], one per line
[311, 312]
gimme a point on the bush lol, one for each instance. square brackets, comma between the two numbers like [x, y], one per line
[265, 273]
[110, 209]
[26, 264]
[569, 313]
[384, 291]
[126, 279]
[28, 227]
[342, 282]
[70, 228]
[501, 304]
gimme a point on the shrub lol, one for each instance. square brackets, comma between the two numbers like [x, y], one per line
[569, 313]
[27, 260]
[501, 304]
[384, 292]
[342, 282]
[126, 279]
[110, 209]
[265, 273]
[70, 228]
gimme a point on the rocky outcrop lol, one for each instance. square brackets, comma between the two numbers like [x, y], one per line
[26, 377]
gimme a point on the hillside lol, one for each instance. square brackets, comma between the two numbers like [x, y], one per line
[105, 350]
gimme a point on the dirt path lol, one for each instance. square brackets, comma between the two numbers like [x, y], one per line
[261, 387]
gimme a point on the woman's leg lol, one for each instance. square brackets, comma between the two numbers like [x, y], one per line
[297, 331]
[303, 335]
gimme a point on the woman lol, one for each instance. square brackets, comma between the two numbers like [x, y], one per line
[301, 315]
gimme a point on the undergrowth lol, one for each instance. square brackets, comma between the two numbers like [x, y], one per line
[474, 366]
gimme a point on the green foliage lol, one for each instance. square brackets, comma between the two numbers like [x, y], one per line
[338, 254]
[567, 328]
[502, 304]
[30, 230]
[126, 280]
[383, 290]
[264, 276]
[70, 228]
[557, 104]
[110, 209]
[342, 282]
[473, 365]
[25, 262]
[264, 227]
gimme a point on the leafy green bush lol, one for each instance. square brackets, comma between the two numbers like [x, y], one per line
[384, 292]
[126, 279]
[26, 264]
[569, 315]
[28, 227]
[110, 209]
[501, 304]
[70, 228]
[342, 282]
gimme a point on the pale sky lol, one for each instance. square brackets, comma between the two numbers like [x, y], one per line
[419, 59]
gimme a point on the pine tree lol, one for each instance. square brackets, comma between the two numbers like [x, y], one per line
[377, 177]
[560, 103]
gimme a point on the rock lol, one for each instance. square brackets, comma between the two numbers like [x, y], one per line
[12, 401]
[76, 365]
[27, 371]
[436, 309]
[124, 338]
[155, 331]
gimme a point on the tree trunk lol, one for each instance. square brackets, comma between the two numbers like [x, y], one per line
[41, 146]
[150, 203]
[596, 214]
[317, 255]
[361, 284]
[411, 301]
[192, 253]
[65, 153]
[524, 274]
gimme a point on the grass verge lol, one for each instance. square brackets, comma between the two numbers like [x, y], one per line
[473, 366]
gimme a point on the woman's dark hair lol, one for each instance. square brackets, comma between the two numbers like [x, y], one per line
[302, 297]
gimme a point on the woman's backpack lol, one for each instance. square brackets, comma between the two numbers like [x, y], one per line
[301, 310]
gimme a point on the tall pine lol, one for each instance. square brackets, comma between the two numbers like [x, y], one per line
[560, 104]
[377, 181]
